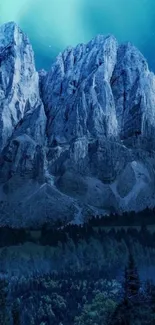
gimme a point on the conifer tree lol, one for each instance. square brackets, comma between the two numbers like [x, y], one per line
[16, 312]
[131, 280]
[4, 318]
[126, 310]
[150, 301]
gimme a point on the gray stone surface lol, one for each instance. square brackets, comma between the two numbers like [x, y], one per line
[78, 139]
[133, 87]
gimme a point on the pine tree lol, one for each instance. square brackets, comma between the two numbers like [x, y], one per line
[16, 312]
[150, 301]
[131, 280]
[126, 310]
[4, 319]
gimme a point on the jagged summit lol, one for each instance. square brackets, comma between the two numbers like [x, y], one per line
[10, 25]
[78, 139]
[11, 33]
[71, 89]
[19, 91]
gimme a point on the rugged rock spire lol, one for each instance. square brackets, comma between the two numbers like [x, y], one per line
[133, 87]
[77, 92]
[22, 117]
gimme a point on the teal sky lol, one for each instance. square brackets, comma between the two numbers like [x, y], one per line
[52, 25]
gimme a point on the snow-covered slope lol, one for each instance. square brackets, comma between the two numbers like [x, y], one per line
[78, 139]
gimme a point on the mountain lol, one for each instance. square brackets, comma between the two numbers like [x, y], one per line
[76, 140]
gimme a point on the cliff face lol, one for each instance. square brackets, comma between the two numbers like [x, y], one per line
[78, 139]
[133, 87]
[77, 94]
[22, 116]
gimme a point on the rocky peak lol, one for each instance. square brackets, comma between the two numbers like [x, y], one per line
[19, 91]
[133, 87]
[77, 92]
[64, 134]
[11, 32]
[22, 116]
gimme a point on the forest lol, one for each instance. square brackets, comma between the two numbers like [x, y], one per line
[98, 273]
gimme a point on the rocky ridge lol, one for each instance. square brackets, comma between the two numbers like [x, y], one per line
[78, 139]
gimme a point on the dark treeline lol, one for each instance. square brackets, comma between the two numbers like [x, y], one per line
[96, 227]
[132, 218]
[80, 249]
[85, 232]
